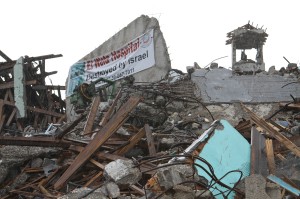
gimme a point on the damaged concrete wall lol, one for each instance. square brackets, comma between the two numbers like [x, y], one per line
[221, 86]
[136, 28]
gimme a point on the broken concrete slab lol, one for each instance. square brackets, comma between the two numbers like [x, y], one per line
[84, 193]
[221, 86]
[122, 172]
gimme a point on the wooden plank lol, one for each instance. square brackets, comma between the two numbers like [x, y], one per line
[98, 175]
[98, 164]
[132, 142]
[150, 140]
[1, 108]
[258, 158]
[291, 106]
[270, 156]
[10, 95]
[33, 141]
[11, 84]
[278, 147]
[277, 135]
[38, 110]
[48, 87]
[71, 126]
[92, 115]
[135, 188]
[11, 117]
[6, 95]
[108, 114]
[100, 155]
[34, 109]
[111, 127]
[35, 122]
[2, 121]
[281, 157]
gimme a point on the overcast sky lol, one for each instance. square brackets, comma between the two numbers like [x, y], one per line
[195, 30]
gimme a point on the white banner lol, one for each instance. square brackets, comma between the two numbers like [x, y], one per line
[135, 56]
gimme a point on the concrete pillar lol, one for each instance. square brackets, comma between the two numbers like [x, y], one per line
[233, 53]
[19, 88]
[259, 55]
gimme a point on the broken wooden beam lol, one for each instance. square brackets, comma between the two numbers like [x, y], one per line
[104, 134]
[277, 135]
[38, 110]
[279, 147]
[290, 106]
[34, 141]
[258, 158]
[108, 114]
[92, 115]
[2, 54]
[48, 87]
[270, 156]
[69, 127]
[150, 140]
[11, 84]
[132, 142]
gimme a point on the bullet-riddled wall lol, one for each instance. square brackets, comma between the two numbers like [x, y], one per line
[136, 28]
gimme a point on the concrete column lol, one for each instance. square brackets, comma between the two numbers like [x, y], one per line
[259, 55]
[233, 53]
[19, 88]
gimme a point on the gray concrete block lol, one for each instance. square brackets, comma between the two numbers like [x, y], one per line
[122, 172]
[256, 187]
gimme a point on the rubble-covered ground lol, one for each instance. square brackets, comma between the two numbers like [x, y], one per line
[137, 146]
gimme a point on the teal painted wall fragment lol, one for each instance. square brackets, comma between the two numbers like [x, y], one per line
[226, 150]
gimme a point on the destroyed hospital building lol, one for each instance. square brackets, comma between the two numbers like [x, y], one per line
[132, 126]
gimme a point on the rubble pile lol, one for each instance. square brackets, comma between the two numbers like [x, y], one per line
[148, 131]
[157, 140]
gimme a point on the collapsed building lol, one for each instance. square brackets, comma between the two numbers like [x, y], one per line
[133, 127]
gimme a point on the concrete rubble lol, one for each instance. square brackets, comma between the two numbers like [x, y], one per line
[208, 133]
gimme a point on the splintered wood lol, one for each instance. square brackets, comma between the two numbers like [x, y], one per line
[111, 127]
[39, 100]
[277, 135]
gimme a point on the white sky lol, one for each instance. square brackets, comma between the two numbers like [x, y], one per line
[194, 30]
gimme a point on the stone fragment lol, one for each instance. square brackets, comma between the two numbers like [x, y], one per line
[110, 190]
[122, 172]
[37, 162]
[256, 187]
[295, 130]
[273, 190]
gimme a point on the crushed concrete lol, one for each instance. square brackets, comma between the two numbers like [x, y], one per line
[13, 156]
